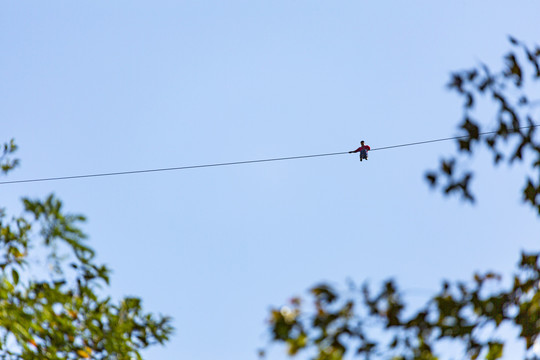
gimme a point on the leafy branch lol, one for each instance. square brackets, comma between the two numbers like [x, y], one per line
[339, 324]
[515, 117]
[60, 315]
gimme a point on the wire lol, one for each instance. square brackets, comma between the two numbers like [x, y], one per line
[429, 141]
[167, 169]
[446, 139]
[235, 162]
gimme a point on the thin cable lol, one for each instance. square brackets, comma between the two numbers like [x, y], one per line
[429, 141]
[235, 162]
[446, 139]
[167, 169]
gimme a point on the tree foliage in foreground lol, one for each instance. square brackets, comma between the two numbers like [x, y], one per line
[332, 324]
[50, 285]
[513, 138]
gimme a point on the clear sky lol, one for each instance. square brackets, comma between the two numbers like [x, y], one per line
[105, 86]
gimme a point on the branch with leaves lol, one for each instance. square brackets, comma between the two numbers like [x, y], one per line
[334, 324]
[515, 118]
[57, 312]
[6, 162]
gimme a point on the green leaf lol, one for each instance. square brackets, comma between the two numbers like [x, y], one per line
[324, 293]
[15, 276]
[495, 351]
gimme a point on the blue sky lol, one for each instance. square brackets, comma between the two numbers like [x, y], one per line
[100, 86]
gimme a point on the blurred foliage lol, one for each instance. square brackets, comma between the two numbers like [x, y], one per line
[336, 323]
[333, 324]
[50, 303]
[7, 162]
[513, 138]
